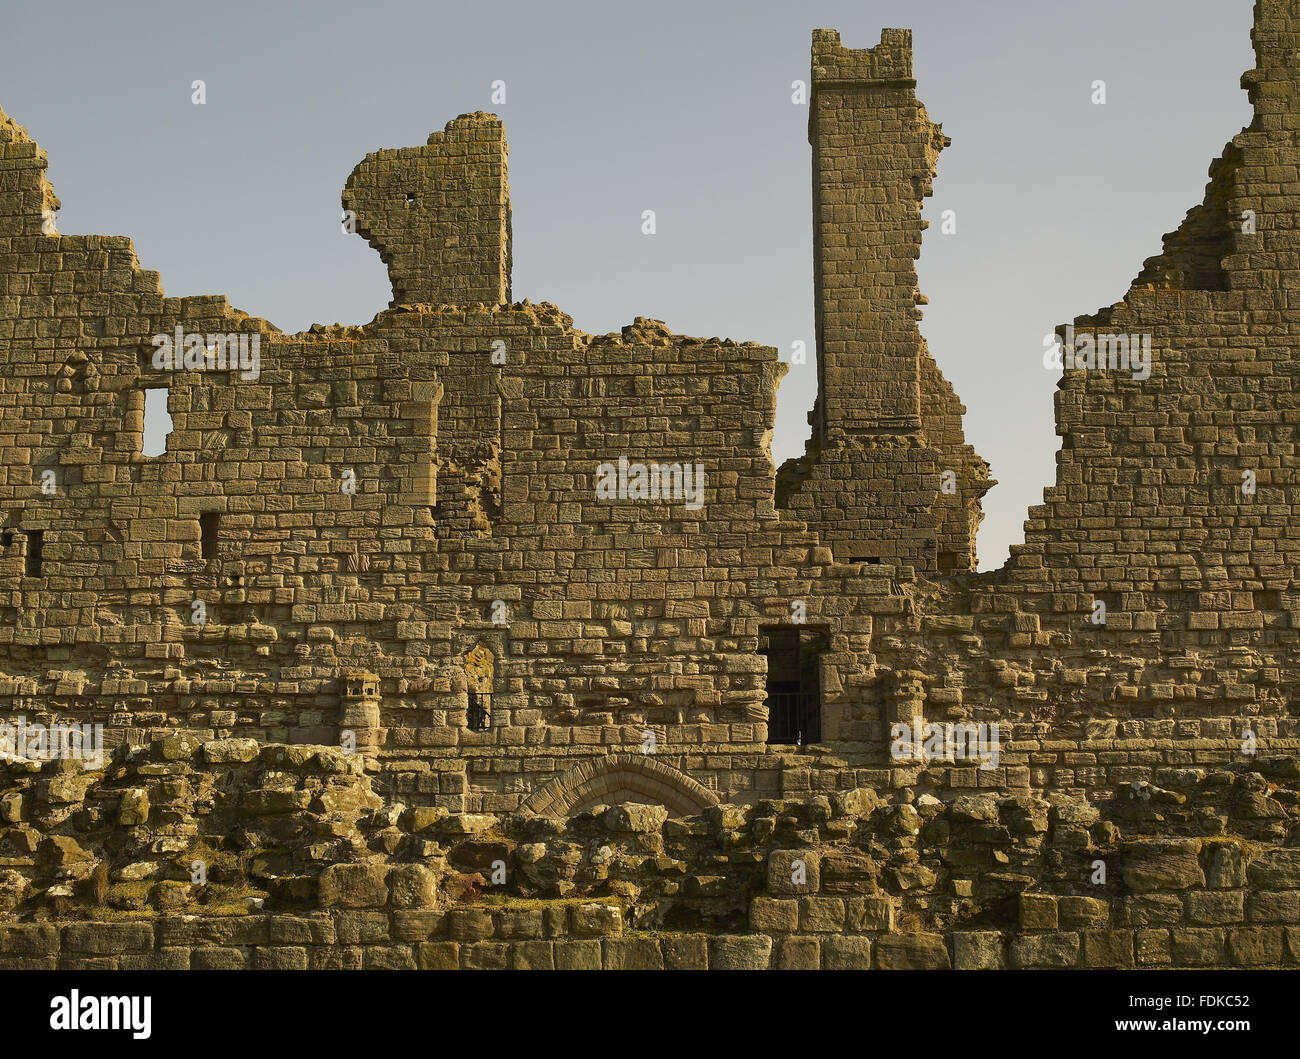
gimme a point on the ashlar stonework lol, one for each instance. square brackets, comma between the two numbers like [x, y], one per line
[416, 619]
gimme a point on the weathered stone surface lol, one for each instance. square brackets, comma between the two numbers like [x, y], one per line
[578, 956]
[792, 871]
[912, 952]
[221, 751]
[1038, 912]
[470, 924]
[977, 950]
[822, 915]
[533, 956]
[639, 819]
[1033, 951]
[1256, 946]
[1277, 869]
[439, 956]
[845, 953]
[412, 886]
[685, 952]
[1162, 864]
[107, 938]
[485, 956]
[631, 954]
[798, 954]
[596, 919]
[29, 939]
[1198, 947]
[354, 886]
[218, 958]
[774, 915]
[1082, 912]
[1107, 948]
[740, 953]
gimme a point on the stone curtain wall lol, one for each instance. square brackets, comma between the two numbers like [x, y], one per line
[472, 519]
[471, 438]
[396, 535]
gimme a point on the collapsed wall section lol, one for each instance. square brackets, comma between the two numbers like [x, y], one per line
[100, 874]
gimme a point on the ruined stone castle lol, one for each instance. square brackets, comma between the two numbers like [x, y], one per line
[413, 619]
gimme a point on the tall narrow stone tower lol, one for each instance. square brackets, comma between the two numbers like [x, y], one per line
[874, 152]
[886, 424]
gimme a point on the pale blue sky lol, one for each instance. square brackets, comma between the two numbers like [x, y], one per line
[680, 107]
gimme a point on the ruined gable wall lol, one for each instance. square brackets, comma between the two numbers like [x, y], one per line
[1150, 615]
[1162, 586]
[1149, 494]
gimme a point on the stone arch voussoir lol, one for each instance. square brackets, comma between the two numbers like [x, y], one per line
[620, 778]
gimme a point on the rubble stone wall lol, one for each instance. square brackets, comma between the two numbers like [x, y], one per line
[304, 867]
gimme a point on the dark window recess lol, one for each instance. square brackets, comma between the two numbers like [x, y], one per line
[35, 552]
[480, 710]
[209, 526]
[6, 538]
[793, 684]
[874, 559]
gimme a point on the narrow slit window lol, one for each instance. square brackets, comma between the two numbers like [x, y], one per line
[157, 422]
[209, 528]
[35, 552]
[480, 710]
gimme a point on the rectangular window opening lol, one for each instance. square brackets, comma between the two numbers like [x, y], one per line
[209, 527]
[793, 683]
[157, 422]
[35, 552]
